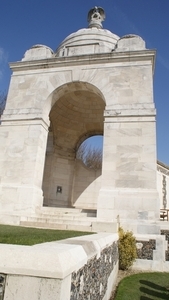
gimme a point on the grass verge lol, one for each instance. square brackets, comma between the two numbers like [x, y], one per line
[30, 236]
[144, 286]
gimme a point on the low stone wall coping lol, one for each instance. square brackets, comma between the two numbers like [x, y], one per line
[148, 237]
[55, 259]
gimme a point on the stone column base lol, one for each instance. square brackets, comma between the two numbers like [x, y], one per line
[135, 209]
[17, 201]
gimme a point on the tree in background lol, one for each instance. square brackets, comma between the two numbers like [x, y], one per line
[3, 97]
[90, 156]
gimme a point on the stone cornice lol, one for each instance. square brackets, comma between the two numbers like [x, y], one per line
[162, 168]
[130, 112]
[114, 57]
[22, 121]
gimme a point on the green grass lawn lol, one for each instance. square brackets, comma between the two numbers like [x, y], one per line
[144, 286]
[30, 236]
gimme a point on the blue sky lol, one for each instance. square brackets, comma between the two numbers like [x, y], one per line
[24, 23]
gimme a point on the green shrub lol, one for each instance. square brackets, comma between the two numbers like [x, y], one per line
[127, 249]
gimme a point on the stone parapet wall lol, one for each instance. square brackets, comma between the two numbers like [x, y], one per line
[145, 249]
[92, 279]
[80, 268]
[2, 285]
[165, 232]
[68, 269]
[151, 251]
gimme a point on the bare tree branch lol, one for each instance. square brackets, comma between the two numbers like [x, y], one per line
[91, 157]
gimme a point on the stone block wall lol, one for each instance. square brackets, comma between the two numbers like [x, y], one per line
[151, 251]
[145, 249]
[58, 173]
[80, 185]
[87, 183]
[76, 268]
[91, 281]
[165, 232]
[2, 285]
[80, 268]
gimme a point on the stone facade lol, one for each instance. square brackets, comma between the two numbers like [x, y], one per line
[95, 83]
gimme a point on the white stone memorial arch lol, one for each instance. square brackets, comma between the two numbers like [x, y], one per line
[94, 83]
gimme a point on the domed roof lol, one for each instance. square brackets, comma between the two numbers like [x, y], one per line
[89, 40]
[38, 52]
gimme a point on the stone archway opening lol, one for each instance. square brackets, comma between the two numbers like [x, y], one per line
[77, 113]
[90, 152]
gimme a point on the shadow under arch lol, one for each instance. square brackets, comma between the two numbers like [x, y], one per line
[77, 110]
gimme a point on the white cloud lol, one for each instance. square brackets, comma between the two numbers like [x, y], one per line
[125, 20]
[3, 61]
[163, 61]
[3, 56]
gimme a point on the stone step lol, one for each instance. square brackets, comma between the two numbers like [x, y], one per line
[48, 211]
[90, 212]
[62, 215]
[78, 224]
[58, 210]
[65, 216]
[57, 226]
[61, 220]
[54, 203]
